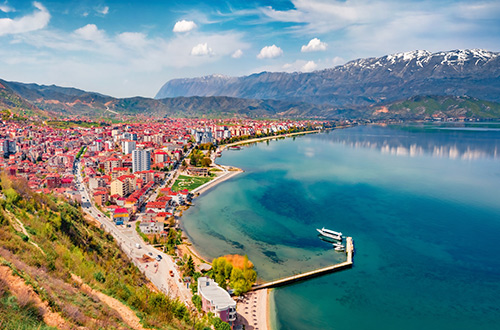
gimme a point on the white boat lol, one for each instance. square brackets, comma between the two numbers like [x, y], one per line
[340, 248]
[330, 233]
[336, 245]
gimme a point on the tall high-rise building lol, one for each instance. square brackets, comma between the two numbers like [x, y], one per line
[128, 146]
[141, 160]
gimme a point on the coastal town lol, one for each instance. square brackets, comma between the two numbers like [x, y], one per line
[135, 180]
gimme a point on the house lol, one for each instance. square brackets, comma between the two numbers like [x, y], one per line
[120, 216]
[151, 227]
[53, 181]
[100, 197]
[163, 216]
[150, 215]
[156, 206]
[216, 300]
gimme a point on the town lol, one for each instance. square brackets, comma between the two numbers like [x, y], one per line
[135, 180]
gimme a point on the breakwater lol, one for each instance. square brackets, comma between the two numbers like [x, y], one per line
[314, 273]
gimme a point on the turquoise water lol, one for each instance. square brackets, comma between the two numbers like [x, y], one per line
[421, 202]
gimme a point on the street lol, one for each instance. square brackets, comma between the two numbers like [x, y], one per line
[128, 240]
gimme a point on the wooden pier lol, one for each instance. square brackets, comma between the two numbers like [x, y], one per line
[314, 273]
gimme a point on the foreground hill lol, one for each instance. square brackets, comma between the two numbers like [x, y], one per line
[362, 82]
[58, 271]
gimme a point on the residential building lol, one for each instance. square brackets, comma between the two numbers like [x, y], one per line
[100, 197]
[120, 216]
[216, 300]
[123, 185]
[141, 160]
[151, 227]
[128, 146]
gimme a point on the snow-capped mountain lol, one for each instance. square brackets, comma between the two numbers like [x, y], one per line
[469, 72]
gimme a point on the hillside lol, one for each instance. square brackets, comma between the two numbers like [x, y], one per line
[59, 271]
[362, 82]
[445, 107]
[12, 103]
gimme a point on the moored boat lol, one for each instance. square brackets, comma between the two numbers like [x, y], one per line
[330, 234]
[340, 248]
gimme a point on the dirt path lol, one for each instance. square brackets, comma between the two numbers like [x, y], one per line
[19, 226]
[127, 315]
[25, 293]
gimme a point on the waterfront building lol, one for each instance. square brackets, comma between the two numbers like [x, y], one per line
[216, 300]
[141, 160]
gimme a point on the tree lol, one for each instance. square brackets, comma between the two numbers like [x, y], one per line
[197, 302]
[206, 161]
[190, 266]
[192, 159]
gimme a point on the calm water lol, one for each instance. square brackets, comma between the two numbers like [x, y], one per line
[422, 204]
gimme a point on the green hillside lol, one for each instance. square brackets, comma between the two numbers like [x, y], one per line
[47, 243]
[446, 106]
[12, 104]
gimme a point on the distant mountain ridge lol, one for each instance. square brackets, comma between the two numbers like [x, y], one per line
[407, 86]
[361, 82]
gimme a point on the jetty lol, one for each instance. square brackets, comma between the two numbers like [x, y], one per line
[314, 273]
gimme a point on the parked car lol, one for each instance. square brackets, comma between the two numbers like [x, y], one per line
[171, 272]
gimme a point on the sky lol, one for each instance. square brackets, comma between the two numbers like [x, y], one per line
[131, 48]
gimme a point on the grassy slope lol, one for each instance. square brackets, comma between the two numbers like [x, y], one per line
[449, 105]
[10, 101]
[70, 245]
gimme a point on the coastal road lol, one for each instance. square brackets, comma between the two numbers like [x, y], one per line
[129, 240]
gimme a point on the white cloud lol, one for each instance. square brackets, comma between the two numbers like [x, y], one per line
[270, 52]
[314, 45]
[237, 54]
[103, 10]
[36, 21]
[309, 66]
[202, 50]
[133, 39]
[6, 8]
[90, 32]
[184, 26]
[321, 16]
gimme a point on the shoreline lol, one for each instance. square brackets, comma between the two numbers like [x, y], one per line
[261, 298]
[267, 138]
[212, 183]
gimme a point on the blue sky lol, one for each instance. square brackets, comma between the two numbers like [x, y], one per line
[129, 48]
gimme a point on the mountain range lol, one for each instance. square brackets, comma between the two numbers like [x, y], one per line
[361, 82]
[412, 85]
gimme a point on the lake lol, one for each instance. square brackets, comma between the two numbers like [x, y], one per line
[422, 203]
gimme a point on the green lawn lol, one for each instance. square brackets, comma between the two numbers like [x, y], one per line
[189, 182]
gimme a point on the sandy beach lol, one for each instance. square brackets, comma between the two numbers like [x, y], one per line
[253, 311]
[226, 176]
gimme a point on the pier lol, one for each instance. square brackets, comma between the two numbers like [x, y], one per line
[314, 273]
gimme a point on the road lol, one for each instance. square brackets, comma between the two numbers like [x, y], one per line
[129, 241]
